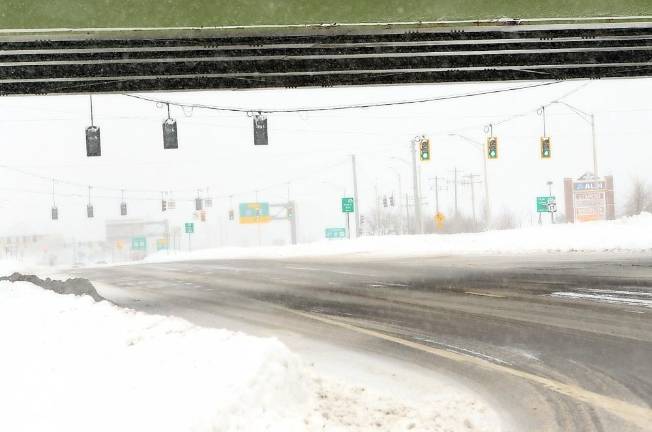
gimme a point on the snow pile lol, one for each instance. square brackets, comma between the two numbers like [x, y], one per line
[70, 364]
[626, 234]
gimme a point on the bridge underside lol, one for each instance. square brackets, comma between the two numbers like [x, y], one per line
[95, 61]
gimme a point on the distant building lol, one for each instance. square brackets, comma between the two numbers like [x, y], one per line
[134, 238]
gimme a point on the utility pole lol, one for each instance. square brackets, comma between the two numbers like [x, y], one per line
[455, 171]
[407, 211]
[356, 205]
[258, 220]
[471, 181]
[436, 179]
[595, 156]
[415, 185]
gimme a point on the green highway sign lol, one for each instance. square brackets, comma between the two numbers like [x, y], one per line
[138, 243]
[544, 202]
[348, 205]
[190, 227]
[332, 233]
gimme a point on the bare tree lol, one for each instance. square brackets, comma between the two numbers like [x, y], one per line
[640, 198]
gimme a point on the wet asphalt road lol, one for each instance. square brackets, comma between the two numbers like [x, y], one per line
[560, 342]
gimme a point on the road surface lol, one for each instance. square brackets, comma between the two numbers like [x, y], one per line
[559, 342]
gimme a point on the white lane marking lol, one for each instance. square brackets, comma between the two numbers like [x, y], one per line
[604, 298]
[630, 412]
[484, 294]
[329, 271]
[463, 350]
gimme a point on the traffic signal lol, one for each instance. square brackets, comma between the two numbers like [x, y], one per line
[93, 147]
[384, 201]
[164, 205]
[545, 147]
[492, 147]
[231, 215]
[170, 140]
[123, 209]
[361, 219]
[391, 200]
[424, 150]
[55, 213]
[198, 203]
[260, 129]
[89, 211]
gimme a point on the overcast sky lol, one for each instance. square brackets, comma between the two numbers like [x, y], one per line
[44, 135]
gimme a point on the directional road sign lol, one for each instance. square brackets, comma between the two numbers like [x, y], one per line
[333, 233]
[348, 205]
[543, 203]
[138, 243]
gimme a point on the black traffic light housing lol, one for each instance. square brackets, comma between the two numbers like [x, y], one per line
[492, 147]
[93, 147]
[385, 201]
[123, 209]
[89, 211]
[260, 130]
[55, 213]
[170, 139]
[164, 205]
[545, 148]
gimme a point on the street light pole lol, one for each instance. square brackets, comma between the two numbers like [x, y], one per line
[415, 186]
[590, 119]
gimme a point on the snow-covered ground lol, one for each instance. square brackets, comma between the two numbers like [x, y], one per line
[625, 234]
[70, 364]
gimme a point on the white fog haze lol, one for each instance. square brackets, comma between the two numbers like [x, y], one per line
[309, 154]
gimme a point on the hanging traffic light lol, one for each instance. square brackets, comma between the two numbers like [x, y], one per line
[55, 213]
[170, 140]
[93, 147]
[260, 129]
[123, 209]
[198, 204]
[391, 200]
[424, 150]
[164, 205]
[384, 201]
[545, 148]
[492, 147]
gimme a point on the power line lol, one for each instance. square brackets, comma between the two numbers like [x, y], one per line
[342, 107]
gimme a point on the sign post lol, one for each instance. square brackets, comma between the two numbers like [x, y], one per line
[190, 229]
[348, 207]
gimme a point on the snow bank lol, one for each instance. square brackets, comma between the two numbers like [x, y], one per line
[70, 364]
[626, 234]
